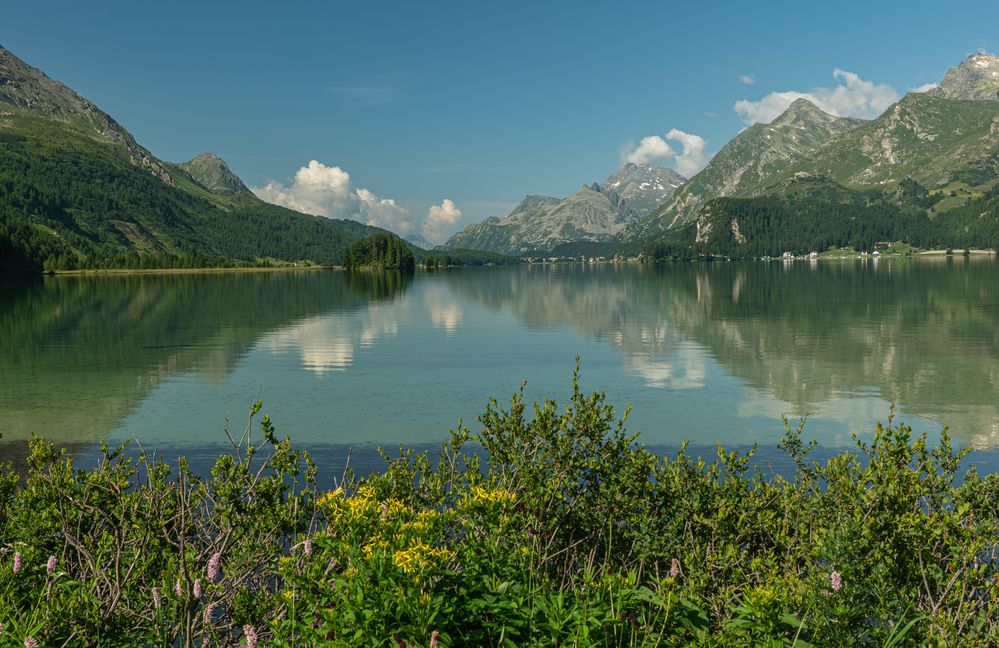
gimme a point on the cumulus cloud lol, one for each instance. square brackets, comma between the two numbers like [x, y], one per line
[650, 148]
[691, 158]
[694, 156]
[926, 87]
[748, 79]
[441, 219]
[384, 212]
[327, 191]
[851, 97]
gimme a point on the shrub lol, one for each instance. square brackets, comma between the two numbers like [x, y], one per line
[548, 528]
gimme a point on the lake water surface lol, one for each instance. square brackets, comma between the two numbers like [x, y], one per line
[706, 352]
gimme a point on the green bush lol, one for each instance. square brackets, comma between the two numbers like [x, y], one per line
[550, 527]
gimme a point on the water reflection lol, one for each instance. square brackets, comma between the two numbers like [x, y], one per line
[328, 342]
[77, 354]
[686, 369]
[712, 352]
[835, 340]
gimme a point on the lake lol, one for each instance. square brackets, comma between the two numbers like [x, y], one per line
[714, 353]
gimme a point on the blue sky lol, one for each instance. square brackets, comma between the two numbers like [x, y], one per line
[477, 103]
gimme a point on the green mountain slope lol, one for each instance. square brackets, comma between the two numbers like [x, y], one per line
[76, 190]
[748, 163]
[925, 171]
[811, 214]
[924, 137]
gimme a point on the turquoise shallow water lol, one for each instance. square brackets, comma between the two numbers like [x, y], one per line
[710, 353]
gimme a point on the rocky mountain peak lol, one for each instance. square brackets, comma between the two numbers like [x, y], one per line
[643, 186]
[419, 241]
[211, 172]
[29, 89]
[802, 111]
[976, 77]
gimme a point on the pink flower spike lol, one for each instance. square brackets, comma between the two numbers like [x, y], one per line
[836, 581]
[51, 565]
[435, 639]
[178, 589]
[213, 567]
[674, 568]
[197, 588]
[251, 636]
[307, 547]
[29, 642]
[18, 562]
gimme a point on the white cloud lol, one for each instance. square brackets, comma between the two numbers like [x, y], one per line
[926, 87]
[694, 156]
[327, 191]
[691, 158]
[748, 79]
[851, 97]
[384, 213]
[440, 221]
[650, 148]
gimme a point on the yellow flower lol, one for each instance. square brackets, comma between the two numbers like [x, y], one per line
[496, 496]
[364, 492]
[419, 556]
[374, 544]
[415, 525]
[330, 496]
[395, 508]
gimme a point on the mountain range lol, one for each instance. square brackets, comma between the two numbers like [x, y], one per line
[916, 173]
[945, 140]
[77, 189]
[597, 213]
[746, 163]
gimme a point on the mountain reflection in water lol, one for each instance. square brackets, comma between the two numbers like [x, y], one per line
[711, 352]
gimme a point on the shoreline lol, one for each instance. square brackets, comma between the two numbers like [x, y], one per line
[150, 271]
[845, 256]
[956, 252]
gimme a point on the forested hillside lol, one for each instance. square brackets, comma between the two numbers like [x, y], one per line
[77, 191]
[815, 215]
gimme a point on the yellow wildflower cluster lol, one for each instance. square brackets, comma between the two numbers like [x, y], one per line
[419, 556]
[390, 528]
[329, 497]
[420, 523]
[394, 508]
[362, 504]
[342, 509]
[376, 543]
[491, 496]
